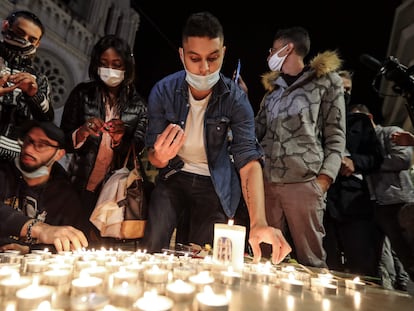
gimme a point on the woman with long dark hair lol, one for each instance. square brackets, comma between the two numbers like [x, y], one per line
[101, 118]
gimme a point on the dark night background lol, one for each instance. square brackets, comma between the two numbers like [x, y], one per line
[350, 27]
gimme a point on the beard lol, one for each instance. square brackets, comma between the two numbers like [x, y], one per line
[28, 168]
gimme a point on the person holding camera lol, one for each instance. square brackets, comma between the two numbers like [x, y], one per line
[24, 92]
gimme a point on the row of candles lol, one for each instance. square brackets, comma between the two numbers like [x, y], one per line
[126, 280]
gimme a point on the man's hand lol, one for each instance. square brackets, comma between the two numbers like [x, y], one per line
[23, 249]
[347, 167]
[26, 82]
[167, 145]
[270, 235]
[403, 138]
[4, 88]
[64, 238]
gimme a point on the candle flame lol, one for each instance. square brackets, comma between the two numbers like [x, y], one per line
[208, 290]
[35, 281]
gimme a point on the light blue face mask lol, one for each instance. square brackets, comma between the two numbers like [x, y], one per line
[40, 172]
[202, 83]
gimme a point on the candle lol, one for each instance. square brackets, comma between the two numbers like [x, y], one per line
[137, 268]
[229, 243]
[153, 302]
[180, 291]
[10, 285]
[183, 272]
[31, 297]
[56, 277]
[291, 284]
[230, 277]
[209, 301]
[86, 284]
[6, 272]
[36, 266]
[124, 295]
[88, 302]
[156, 275]
[355, 284]
[117, 278]
[323, 286]
[201, 279]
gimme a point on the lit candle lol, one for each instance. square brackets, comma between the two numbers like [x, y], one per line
[31, 297]
[153, 302]
[183, 272]
[156, 275]
[137, 268]
[44, 253]
[86, 284]
[88, 302]
[56, 277]
[117, 278]
[124, 295]
[230, 277]
[201, 279]
[229, 243]
[180, 291]
[36, 266]
[10, 285]
[291, 284]
[355, 284]
[209, 301]
[323, 286]
[6, 272]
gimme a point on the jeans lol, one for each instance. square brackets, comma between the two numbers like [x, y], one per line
[187, 202]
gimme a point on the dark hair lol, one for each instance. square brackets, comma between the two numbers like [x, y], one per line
[202, 24]
[299, 36]
[12, 17]
[347, 74]
[360, 107]
[122, 48]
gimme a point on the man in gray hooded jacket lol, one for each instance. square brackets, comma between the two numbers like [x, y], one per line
[301, 126]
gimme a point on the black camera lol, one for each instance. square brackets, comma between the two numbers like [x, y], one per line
[393, 71]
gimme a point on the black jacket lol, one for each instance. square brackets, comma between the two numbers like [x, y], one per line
[56, 201]
[349, 197]
[17, 107]
[85, 101]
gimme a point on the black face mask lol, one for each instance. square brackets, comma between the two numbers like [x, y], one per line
[347, 98]
[18, 44]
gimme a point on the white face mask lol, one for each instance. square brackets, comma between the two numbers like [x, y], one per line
[111, 77]
[40, 172]
[275, 62]
[44, 170]
[202, 83]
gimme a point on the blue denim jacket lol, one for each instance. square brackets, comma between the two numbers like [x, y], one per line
[228, 112]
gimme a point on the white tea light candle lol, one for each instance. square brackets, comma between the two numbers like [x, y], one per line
[210, 301]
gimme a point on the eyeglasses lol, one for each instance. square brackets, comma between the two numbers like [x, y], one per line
[39, 146]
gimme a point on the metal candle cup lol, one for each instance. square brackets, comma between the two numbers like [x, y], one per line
[180, 291]
[29, 298]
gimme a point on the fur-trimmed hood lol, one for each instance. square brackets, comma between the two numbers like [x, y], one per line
[321, 64]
